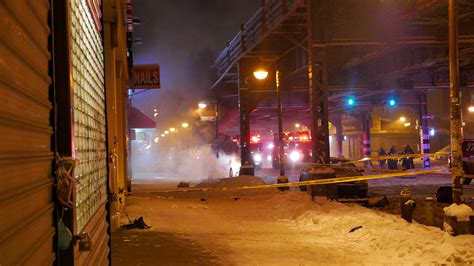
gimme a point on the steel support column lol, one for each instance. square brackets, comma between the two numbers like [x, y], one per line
[455, 104]
[424, 130]
[281, 152]
[247, 167]
[366, 125]
[318, 82]
[339, 135]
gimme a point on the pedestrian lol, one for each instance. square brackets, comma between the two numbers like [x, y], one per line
[384, 161]
[407, 162]
[393, 163]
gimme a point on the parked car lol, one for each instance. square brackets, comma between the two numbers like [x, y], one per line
[348, 190]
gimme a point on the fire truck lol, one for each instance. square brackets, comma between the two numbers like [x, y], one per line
[260, 151]
[296, 147]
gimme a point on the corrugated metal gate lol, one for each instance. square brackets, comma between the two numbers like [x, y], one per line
[27, 236]
[81, 126]
[88, 87]
[26, 205]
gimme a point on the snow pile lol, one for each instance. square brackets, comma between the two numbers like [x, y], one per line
[239, 181]
[461, 211]
[382, 237]
[287, 204]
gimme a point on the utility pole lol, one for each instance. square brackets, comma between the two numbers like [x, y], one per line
[280, 125]
[424, 130]
[455, 104]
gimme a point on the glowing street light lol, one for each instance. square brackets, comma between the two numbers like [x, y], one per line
[260, 74]
[157, 139]
[185, 125]
[297, 125]
[163, 135]
[172, 129]
[392, 102]
[471, 109]
[351, 101]
[403, 119]
[167, 132]
[202, 105]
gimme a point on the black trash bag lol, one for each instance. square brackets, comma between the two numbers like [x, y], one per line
[138, 223]
[444, 194]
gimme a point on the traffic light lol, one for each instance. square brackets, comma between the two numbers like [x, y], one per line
[392, 102]
[351, 101]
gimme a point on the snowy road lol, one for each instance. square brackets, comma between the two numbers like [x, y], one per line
[270, 227]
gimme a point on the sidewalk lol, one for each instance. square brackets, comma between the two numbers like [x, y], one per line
[152, 247]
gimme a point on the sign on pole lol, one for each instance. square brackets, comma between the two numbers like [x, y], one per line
[146, 77]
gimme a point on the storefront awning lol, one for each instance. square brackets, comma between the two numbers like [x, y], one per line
[137, 119]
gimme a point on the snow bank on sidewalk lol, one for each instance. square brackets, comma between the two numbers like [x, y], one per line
[376, 236]
[461, 211]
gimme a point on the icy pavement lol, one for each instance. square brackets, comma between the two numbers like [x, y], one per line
[269, 227]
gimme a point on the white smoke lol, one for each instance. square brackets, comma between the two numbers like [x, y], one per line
[197, 163]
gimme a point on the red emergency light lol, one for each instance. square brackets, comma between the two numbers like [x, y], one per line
[255, 139]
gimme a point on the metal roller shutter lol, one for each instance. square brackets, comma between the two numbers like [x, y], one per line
[26, 206]
[89, 138]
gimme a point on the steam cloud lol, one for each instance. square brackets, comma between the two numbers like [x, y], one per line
[191, 164]
[183, 37]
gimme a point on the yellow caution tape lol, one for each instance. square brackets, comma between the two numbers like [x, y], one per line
[352, 167]
[466, 176]
[310, 182]
[394, 156]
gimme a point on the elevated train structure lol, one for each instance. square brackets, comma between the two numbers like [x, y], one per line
[341, 60]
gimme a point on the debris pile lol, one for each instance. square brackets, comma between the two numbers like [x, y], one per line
[238, 181]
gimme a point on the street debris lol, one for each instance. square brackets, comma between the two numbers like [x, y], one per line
[183, 184]
[355, 228]
[138, 223]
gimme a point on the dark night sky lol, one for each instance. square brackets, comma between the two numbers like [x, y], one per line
[184, 37]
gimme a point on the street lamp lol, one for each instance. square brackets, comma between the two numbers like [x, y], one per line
[471, 109]
[172, 129]
[403, 119]
[186, 132]
[202, 105]
[260, 74]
